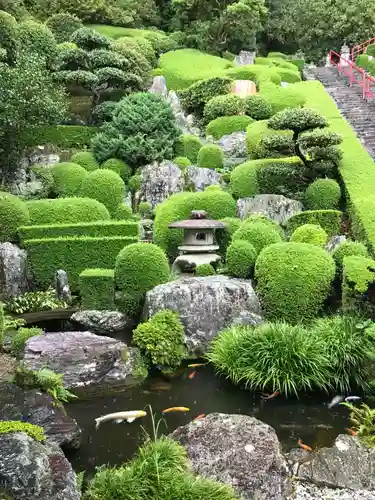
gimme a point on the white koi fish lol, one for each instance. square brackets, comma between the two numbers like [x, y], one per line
[120, 416]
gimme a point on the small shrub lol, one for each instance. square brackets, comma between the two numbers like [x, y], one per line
[19, 340]
[329, 220]
[310, 233]
[240, 259]
[67, 179]
[224, 236]
[323, 194]
[257, 107]
[264, 219]
[225, 125]
[123, 212]
[357, 286]
[275, 146]
[182, 162]
[134, 183]
[161, 339]
[36, 38]
[210, 156]
[288, 75]
[346, 249]
[63, 25]
[258, 234]
[13, 213]
[222, 105]
[145, 210]
[188, 146]
[86, 160]
[139, 268]
[362, 61]
[119, 167]
[105, 186]
[243, 180]
[294, 280]
[97, 289]
[205, 270]
[34, 302]
[298, 120]
[34, 431]
[281, 98]
[194, 99]
[285, 176]
[258, 131]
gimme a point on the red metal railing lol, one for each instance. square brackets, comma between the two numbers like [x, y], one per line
[361, 48]
[354, 75]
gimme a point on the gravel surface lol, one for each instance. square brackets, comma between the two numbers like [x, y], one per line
[309, 492]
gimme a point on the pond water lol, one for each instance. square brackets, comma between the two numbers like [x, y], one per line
[308, 418]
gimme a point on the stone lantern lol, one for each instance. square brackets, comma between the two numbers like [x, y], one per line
[199, 246]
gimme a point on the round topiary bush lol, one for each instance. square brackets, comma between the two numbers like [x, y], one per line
[346, 249]
[240, 259]
[105, 186]
[86, 160]
[294, 280]
[323, 194]
[145, 210]
[310, 233]
[36, 38]
[243, 179]
[136, 62]
[224, 236]
[188, 146]
[259, 234]
[140, 44]
[8, 36]
[139, 268]
[63, 25]
[67, 178]
[205, 270]
[225, 125]
[266, 220]
[210, 156]
[118, 166]
[13, 214]
[66, 211]
[123, 212]
[182, 162]
[223, 105]
[257, 107]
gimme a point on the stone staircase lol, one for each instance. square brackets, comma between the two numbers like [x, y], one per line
[359, 113]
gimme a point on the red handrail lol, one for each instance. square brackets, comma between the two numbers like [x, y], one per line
[360, 48]
[354, 74]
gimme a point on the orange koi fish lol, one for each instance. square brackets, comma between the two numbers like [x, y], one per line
[199, 417]
[351, 432]
[192, 375]
[270, 396]
[196, 365]
[304, 446]
[176, 408]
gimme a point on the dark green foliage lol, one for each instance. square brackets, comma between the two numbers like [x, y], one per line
[286, 177]
[142, 131]
[362, 422]
[211, 156]
[134, 183]
[19, 340]
[257, 233]
[258, 131]
[34, 302]
[294, 280]
[275, 146]
[272, 357]
[118, 166]
[346, 249]
[63, 25]
[194, 99]
[97, 289]
[85, 159]
[67, 179]
[8, 36]
[105, 186]
[139, 268]
[45, 255]
[298, 120]
[61, 136]
[329, 220]
[222, 105]
[240, 259]
[182, 162]
[161, 42]
[136, 61]
[205, 270]
[257, 107]
[188, 146]
[323, 194]
[226, 125]
[89, 39]
[358, 286]
[310, 233]
[103, 112]
[65, 211]
[35, 38]
[13, 213]
[161, 339]
[94, 229]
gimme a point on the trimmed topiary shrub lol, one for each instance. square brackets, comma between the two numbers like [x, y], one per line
[65, 211]
[346, 249]
[298, 120]
[140, 44]
[288, 75]
[145, 210]
[134, 183]
[294, 280]
[97, 289]
[119, 167]
[224, 236]
[323, 194]
[225, 125]
[329, 220]
[123, 212]
[139, 268]
[63, 25]
[188, 146]
[240, 259]
[67, 178]
[8, 36]
[310, 233]
[161, 339]
[264, 219]
[205, 270]
[13, 214]
[86, 160]
[182, 162]
[36, 38]
[222, 105]
[211, 156]
[257, 131]
[281, 97]
[194, 99]
[105, 186]
[257, 107]
[259, 234]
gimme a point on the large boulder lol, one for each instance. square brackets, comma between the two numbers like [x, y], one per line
[206, 305]
[348, 464]
[31, 470]
[275, 206]
[237, 450]
[86, 360]
[159, 181]
[13, 271]
[234, 148]
[105, 322]
[199, 178]
[305, 491]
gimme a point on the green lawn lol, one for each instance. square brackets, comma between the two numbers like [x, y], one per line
[118, 32]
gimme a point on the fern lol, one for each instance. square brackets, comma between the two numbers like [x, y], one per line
[363, 422]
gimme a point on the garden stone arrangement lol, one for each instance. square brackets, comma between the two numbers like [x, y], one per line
[118, 126]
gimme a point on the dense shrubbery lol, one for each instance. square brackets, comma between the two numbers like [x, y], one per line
[257, 131]
[63, 25]
[195, 98]
[188, 146]
[13, 213]
[346, 249]
[281, 98]
[357, 285]
[105, 186]
[67, 179]
[329, 220]
[310, 233]
[240, 259]
[97, 289]
[119, 167]
[205, 270]
[323, 194]
[36, 39]
[182, 162]
[257, 107]
[222, 105]
[65, 211]
[210, 156]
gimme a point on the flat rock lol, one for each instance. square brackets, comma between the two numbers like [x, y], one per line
[200, 178]
[348, 464]
[275, 206]
[237, 450]
[31, 470]
[86, 360]
[234, 148]
[159, 181]
[305, 491]
[13, 271]
[206, 305]
[102, 321]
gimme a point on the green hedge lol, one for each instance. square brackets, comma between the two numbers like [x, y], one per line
[255, 73]
[188, 146]
[92, 229]
[67, 178]
[66, 211]
[85, 159]
[329, 220]
[210, 156]
[346, 249]
[256, 131]
[97, 289]
[282, 97]
[62, 136]
[288, 75]
[225, 125]
[257, 233]
[73, 254]
[358, 285]
[13, 213]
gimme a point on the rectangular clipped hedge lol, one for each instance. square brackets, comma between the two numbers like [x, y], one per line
[47, 255]
[97, 289]
[62, 136]
[93, 229]
[357, 168]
